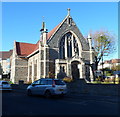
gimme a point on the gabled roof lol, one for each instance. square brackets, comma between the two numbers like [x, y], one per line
[52, 32]
[24, 49]
[5, 54]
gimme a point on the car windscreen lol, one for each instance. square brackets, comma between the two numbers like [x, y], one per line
[59, 82]
[5, 83]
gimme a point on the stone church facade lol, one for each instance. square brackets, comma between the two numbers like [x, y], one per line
[63, 51]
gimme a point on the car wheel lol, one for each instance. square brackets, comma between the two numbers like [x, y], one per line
[62, 95]
[47, 94]
[29, 92]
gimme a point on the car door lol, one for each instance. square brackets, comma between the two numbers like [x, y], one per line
[35, 87]
[0, 85]
[42, 86]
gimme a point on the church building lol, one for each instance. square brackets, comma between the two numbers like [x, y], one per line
[63, 52]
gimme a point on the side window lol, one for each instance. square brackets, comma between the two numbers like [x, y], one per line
[36, 82]
[43, 82]
[49, 82]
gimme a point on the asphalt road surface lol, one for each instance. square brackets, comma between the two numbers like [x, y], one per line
[16, 104]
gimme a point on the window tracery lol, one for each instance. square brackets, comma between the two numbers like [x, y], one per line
[68, 46]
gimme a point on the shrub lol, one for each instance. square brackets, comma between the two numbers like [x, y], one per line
[10, 82]
[51, 75]
[99, 78]
[67, 79]
[29, 82]
[96, 82]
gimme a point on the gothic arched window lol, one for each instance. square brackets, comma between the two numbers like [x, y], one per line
[68, 46]
[62, 49]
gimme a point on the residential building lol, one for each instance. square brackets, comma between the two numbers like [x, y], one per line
[5, 61]
[110, 63]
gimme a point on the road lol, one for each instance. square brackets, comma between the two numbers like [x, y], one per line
[17, 103]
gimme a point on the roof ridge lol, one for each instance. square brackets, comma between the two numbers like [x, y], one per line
[25, 43]
[57, 27]
[7, 50]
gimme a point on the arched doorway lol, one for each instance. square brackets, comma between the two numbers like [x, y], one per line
[75, 70]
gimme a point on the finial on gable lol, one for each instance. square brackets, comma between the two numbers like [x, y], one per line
[68, 11]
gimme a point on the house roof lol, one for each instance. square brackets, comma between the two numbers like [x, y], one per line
[115, 60]
[108, 61]
[112, 61]
[5, 54]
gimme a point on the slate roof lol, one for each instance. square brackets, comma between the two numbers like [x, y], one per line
[52, 32]
[5, 54]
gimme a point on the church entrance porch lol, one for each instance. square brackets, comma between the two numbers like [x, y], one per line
[70, 68]
[75, 71]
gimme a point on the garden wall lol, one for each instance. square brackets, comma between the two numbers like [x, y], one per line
[80, 86]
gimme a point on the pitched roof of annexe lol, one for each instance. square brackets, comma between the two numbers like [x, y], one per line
[24, 49]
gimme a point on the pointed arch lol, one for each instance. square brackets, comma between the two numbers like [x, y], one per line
[69, 45]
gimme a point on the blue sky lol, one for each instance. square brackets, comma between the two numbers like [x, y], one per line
[21, 21]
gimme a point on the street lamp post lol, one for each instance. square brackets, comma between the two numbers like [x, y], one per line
[102, 59]
[102, 67]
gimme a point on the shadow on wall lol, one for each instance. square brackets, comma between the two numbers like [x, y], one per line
[53, 54]
[62, 73]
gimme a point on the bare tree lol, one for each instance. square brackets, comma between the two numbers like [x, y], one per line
[103, 43]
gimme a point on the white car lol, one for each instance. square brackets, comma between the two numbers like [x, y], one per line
[5, 85]
[47, 87]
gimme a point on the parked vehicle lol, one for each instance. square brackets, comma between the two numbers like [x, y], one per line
[5, 85]
[98, 73]
[47, 87]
